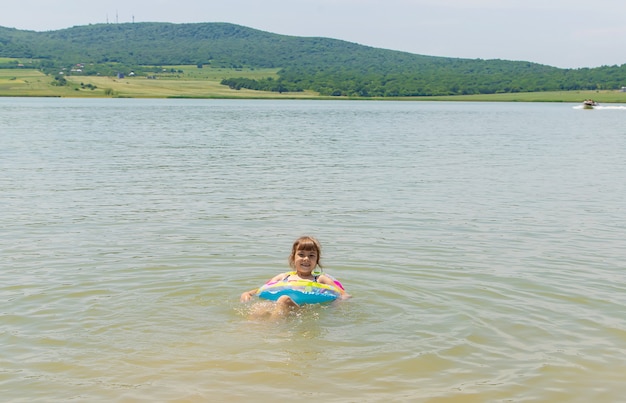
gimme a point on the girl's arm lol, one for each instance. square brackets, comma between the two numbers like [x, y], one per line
[247, 296]
[324, 279]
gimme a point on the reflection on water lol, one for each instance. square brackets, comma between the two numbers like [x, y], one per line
[482, 244]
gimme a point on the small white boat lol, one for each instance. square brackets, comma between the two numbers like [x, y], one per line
[589, 104]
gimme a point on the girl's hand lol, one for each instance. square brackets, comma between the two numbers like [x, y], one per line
[247, 296]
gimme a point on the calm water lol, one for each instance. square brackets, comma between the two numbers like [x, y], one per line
[483, 244]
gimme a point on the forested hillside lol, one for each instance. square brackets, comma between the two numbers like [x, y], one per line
[328, 66]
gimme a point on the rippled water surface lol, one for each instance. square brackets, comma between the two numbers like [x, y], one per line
[483, 244]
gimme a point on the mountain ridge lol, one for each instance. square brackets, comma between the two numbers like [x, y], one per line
[325, 65]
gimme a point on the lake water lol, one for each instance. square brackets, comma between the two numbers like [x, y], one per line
[483, 244]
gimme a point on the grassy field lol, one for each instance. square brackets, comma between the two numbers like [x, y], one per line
[141, 87]
[25, 82]
[192, 82]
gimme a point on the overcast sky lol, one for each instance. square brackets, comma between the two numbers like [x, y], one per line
[561, 33]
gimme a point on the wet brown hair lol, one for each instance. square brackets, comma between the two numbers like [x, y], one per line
[305, 243]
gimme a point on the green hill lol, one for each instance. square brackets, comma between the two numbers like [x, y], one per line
[327, 66]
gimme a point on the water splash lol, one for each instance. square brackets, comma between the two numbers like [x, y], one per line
[604, 107]
[611, 107]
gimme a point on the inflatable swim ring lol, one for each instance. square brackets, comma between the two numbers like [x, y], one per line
[301, 291]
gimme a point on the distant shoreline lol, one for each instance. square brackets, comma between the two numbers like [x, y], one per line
[602, 98]
[33, 83]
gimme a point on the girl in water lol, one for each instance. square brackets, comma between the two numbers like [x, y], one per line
[305, 257]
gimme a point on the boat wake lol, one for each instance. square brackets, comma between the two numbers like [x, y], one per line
[604, 107]
[620, 107]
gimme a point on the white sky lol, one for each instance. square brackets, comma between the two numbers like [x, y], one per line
[561, 33]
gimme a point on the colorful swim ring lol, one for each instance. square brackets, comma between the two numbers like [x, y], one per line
[301, 291]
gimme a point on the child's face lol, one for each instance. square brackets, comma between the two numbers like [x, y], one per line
[305, 260]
